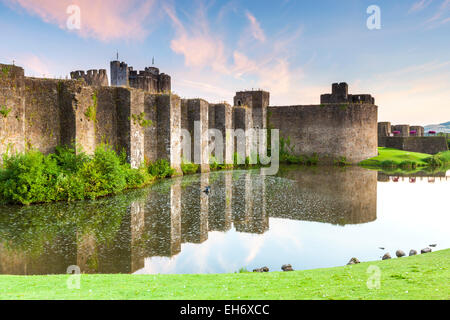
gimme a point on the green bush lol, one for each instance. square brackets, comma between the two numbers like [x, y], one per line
[341, 162]
[189, 167]
[68, 160]
[67, 176]
[29, 178]
[161, 169]
[103, 174]
[137, 178]
[388, 164]
[408, 164]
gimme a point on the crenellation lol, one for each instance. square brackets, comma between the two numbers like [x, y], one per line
[51, 112]
[96, 78]
[149, 79]
[339, 94]
[409, 138]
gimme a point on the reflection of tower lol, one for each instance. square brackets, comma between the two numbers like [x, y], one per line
[87, 255]
[163, 221]
[252, 216]
[220, 206]
[137, 235]
[54, 257]
[194, 217]
[330, 195]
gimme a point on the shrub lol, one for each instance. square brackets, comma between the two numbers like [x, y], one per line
[189, 167]
[161, 169]
[342, 162]
[388, 164]
[68, 160]
[29, 178]
[35, 178]
[137, 178]
[313, 160]
[408, 164]
[103, 174]
[435, 161]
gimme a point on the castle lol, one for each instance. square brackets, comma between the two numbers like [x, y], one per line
[45, 113]
[409, 138]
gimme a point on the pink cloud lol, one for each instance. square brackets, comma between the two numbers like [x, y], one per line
[103, 20]
[255, 28]
[197, 43]
[419, 5]
[441, 16]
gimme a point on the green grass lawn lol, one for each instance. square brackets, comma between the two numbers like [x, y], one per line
[396, 157]
[420, 277]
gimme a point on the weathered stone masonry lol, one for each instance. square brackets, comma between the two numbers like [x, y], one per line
[334, 130]
[46, 113]
[409, 138]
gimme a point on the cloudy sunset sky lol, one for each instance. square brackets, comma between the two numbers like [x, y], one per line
[294, 49]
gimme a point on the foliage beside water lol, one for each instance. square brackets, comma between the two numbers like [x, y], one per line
[389, 158]
[66, 175]
[161, 169]
[189, 167]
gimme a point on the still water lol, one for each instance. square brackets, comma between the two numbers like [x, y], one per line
[307, 217]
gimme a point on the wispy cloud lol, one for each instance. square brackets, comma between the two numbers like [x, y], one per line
[442, 15]
[255, 28]
[419, 5]
[267, 66]
[199, 46]
[103, 20]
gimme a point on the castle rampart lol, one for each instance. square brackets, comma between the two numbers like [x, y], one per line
[150, 79]
[409, 138]
[97, 78]
[340, 94]
[332, 130]
[46, 113]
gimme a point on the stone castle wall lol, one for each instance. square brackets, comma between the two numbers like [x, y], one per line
[428, 145]
[46, 113]
[409, 138]
[95, 78]
[331, 131]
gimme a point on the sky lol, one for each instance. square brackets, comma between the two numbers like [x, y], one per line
[293, 49]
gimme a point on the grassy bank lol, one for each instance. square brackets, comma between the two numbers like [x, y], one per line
[394, 158]
[420, 277]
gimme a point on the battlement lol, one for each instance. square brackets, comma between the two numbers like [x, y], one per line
[149, 79]
[11, 71]
[97, 78]
[339, 94]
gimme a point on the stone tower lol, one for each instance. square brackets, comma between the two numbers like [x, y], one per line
[257, 101]
[120, 74]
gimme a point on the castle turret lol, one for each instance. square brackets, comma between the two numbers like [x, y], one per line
[120, 74]
[339, 94]
[165, 83]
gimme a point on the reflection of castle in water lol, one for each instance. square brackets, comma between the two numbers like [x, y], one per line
[177, 211]
[413, 177]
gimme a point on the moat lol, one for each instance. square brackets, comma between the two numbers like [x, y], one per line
[307, 217]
